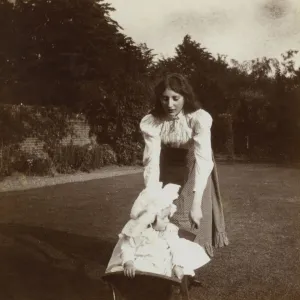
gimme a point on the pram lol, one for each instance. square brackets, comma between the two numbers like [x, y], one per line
[149, 286]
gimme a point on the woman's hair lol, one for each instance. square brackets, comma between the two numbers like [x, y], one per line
[179, 84]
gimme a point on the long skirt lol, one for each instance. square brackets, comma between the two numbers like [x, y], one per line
[178, 166]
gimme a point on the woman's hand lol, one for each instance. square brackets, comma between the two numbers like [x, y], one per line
[178, 272]
[129, 269]
[195, 215]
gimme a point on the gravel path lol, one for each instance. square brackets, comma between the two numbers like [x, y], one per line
[22, 182]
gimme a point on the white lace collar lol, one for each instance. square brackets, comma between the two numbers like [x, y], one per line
[176, 132]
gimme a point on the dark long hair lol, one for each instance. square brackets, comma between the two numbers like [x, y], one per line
[179, 84]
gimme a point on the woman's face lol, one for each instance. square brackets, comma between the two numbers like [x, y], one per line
[172, 103]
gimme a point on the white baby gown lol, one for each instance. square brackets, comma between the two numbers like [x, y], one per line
[158, 252]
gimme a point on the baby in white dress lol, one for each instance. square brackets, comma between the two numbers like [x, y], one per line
[150, 243]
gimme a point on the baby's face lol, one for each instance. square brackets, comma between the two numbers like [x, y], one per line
[162, 220]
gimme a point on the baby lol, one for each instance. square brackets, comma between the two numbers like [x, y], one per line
[150, 243]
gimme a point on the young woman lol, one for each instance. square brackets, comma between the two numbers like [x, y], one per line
[177, 135]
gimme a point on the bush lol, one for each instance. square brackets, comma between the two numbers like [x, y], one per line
[128, 153]
[63, 159]
[17, 122]
[66, 158]
[105, 155]
[32, 164]
[8, 155]
[71, 158]
[13, 159]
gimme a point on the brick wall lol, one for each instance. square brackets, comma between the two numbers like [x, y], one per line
[80, 137]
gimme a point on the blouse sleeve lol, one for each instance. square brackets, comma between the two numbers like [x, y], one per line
[127, 249]
[150, 128]
[201, 124]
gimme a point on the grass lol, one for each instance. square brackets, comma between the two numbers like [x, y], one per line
[262, 207]
[55, 241]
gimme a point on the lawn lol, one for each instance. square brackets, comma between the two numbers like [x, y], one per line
[55, 241]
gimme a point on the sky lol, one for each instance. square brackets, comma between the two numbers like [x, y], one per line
[240, 29]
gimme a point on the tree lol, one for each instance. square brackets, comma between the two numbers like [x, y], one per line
[57, 44]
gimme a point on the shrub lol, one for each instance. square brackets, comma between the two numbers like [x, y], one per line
[32, 164]
[65, 158]
[8, 155]
[13, 159]
[128, 153]
[17, 122]
[72, 158]
[104, 155]
[97, 156]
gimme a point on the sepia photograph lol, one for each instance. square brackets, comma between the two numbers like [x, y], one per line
[149, 150]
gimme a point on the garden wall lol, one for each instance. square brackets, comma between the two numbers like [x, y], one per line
[41, 141]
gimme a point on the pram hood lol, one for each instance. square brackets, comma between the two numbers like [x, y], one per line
[149, 203]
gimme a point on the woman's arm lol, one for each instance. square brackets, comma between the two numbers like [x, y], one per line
[202, 123]
[151, 157]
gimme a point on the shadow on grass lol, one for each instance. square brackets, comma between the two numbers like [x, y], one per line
[40, 263]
